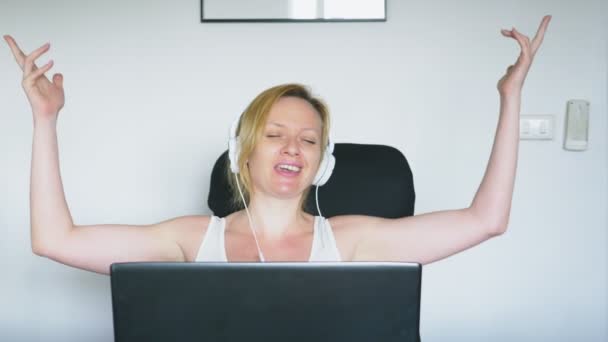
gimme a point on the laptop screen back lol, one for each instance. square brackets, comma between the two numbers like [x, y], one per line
[362, 301]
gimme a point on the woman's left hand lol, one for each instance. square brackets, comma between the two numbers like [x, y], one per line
[513, 81]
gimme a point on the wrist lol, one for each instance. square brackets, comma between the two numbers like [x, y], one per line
[510, 105]
[511, 94]
[45, 120]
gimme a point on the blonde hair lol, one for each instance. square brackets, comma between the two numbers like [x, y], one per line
[251, 126]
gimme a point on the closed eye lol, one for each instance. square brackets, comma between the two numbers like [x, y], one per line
[309, 141]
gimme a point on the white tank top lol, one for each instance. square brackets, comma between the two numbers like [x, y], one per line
[213, 248]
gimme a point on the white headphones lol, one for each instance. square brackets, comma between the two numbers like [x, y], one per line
[326, 167]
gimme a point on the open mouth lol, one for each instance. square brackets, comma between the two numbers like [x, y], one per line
[288, 170]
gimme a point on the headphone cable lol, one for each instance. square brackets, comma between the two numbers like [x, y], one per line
[250, 220]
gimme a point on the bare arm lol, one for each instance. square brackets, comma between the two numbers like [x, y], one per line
[430, 237]
[96, 247]
[53, 233]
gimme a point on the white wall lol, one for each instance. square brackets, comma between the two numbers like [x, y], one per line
[151, 93]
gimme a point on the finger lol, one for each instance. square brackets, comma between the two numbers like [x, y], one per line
[507, 33]
[29, 66]
[58, 80]
[540, 34]
[522, 41]
[523, 37]
[17, 53]
[31, 78]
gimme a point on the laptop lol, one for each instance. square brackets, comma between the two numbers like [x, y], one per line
[283, 301]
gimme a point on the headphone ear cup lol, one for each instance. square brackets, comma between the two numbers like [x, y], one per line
[326, 167]
[234, 149]
[234, 146]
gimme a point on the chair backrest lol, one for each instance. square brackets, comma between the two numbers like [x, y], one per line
[374, 180]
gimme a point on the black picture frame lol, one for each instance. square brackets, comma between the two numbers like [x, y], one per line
[240, 20]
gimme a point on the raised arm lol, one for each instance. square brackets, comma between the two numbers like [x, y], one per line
[53, 233]
[433, 236]
[492, 202]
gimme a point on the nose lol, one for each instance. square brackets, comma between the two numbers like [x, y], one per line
[291, 147]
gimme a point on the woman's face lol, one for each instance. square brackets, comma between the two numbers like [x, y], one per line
[287, 156]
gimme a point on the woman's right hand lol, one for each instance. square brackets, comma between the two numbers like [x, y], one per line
[45, 97]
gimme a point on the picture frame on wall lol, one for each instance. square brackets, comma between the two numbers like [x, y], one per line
[227, 11]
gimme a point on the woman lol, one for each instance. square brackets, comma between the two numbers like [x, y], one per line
[281, 148]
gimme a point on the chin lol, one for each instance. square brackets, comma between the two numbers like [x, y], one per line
[285, 189]
[291, 191]
[288, 194]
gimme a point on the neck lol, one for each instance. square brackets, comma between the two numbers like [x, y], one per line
[275, 218]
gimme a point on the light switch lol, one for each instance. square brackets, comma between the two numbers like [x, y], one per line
[543, 127]
[525, 129]
[536, 127]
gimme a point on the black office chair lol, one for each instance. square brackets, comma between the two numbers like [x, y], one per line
[374, 180]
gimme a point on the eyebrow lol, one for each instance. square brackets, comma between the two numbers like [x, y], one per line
[283, 126]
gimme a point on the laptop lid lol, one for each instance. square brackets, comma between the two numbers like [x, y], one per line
[347, 301]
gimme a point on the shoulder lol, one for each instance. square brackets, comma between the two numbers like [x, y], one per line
[353, 224]
[187, 231]
[349, 230]
[185, 223]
